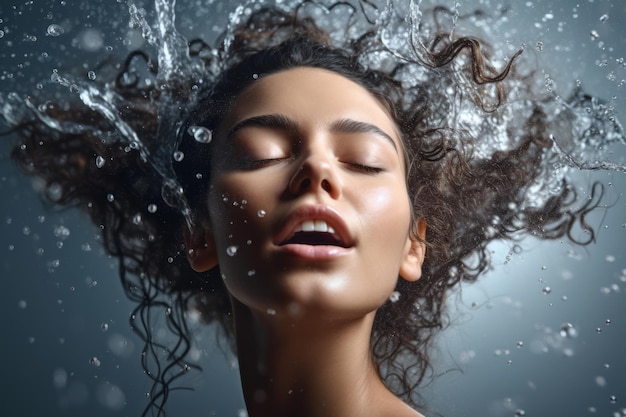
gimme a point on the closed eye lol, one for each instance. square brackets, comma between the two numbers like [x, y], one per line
[365, 168]
[260, 163]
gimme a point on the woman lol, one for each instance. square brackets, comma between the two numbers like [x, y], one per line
[324, 223]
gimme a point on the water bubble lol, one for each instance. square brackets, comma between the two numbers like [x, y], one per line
[594, 35]
[520, 412]
[110, 198]
[231, 250]
[612, 399]
[568, 330]
[178, 156]
[1, 34]
[91, 75]
[137, 218]
[55, 30]
[152, 208]
[100, 161]
[104, 327]
[95, 361]
[539, 46]
[604, 18]
[519, 344]
[261, 213]
[61, 232]
[546, 290]
[394, 296]
[200, 134]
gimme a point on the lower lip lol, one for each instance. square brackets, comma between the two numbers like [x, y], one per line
[314, 252]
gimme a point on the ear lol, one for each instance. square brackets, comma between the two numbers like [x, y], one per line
[415, 249]
[201, 252]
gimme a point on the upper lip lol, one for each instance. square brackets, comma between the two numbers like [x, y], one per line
[314, 212]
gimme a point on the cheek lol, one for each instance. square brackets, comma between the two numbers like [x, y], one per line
[387, 209]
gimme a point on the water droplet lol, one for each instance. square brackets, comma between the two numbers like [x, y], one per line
[95, 361]
[200, 134]
[21, 304]
[261, 213]
[104, 327]
[546, 290]
[604, 18]
[394, 296]
[519, 412]
[608, 322]
[271, 311]
[539, 46]
[91, 75]
[612, 399]
[168, 311]
[231, 250]
[519, 344]
[55, 30]
[137, 218]
[100, 161]
[110, 198]
[178, 156]
[61, 232]
[594, 35]
[152, 208]
[251, 272]
[568, 330]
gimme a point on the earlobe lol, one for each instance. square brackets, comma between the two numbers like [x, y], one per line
[415, 250]
[201, 252]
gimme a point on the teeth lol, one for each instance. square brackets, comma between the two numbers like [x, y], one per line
[314, 226]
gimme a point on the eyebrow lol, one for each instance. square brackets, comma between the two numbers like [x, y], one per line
[355, 126]
[273, 121]
[282, 122]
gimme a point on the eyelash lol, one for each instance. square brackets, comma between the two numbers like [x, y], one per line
[366, 168]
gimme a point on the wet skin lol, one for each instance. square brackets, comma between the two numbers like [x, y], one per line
[301, 147]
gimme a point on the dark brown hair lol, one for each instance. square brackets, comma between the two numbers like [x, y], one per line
[467, 199]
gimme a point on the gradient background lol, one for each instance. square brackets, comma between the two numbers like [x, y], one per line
[61, 304]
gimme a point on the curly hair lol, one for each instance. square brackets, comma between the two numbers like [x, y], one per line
[470, 188]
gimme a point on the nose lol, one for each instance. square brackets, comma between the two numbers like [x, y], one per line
[316, 173]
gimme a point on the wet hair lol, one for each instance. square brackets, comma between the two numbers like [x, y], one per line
[468, 197]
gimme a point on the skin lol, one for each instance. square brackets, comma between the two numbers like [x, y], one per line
[298, 145]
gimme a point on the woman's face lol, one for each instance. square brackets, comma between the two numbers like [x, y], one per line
[308, 202]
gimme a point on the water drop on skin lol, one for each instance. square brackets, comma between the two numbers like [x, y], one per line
[261, 213]
[152, 208]
[91, 75]
[110, 198]
[231, 250]
[100, 161]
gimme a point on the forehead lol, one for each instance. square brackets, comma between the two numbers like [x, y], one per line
[313, 97]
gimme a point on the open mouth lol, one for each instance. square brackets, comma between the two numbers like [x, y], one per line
[314, 239]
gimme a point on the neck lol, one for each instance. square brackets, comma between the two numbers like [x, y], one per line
[308, 367]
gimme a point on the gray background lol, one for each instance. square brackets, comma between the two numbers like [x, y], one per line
[61, 304]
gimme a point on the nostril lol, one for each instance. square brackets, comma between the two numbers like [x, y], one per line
[326, 185]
